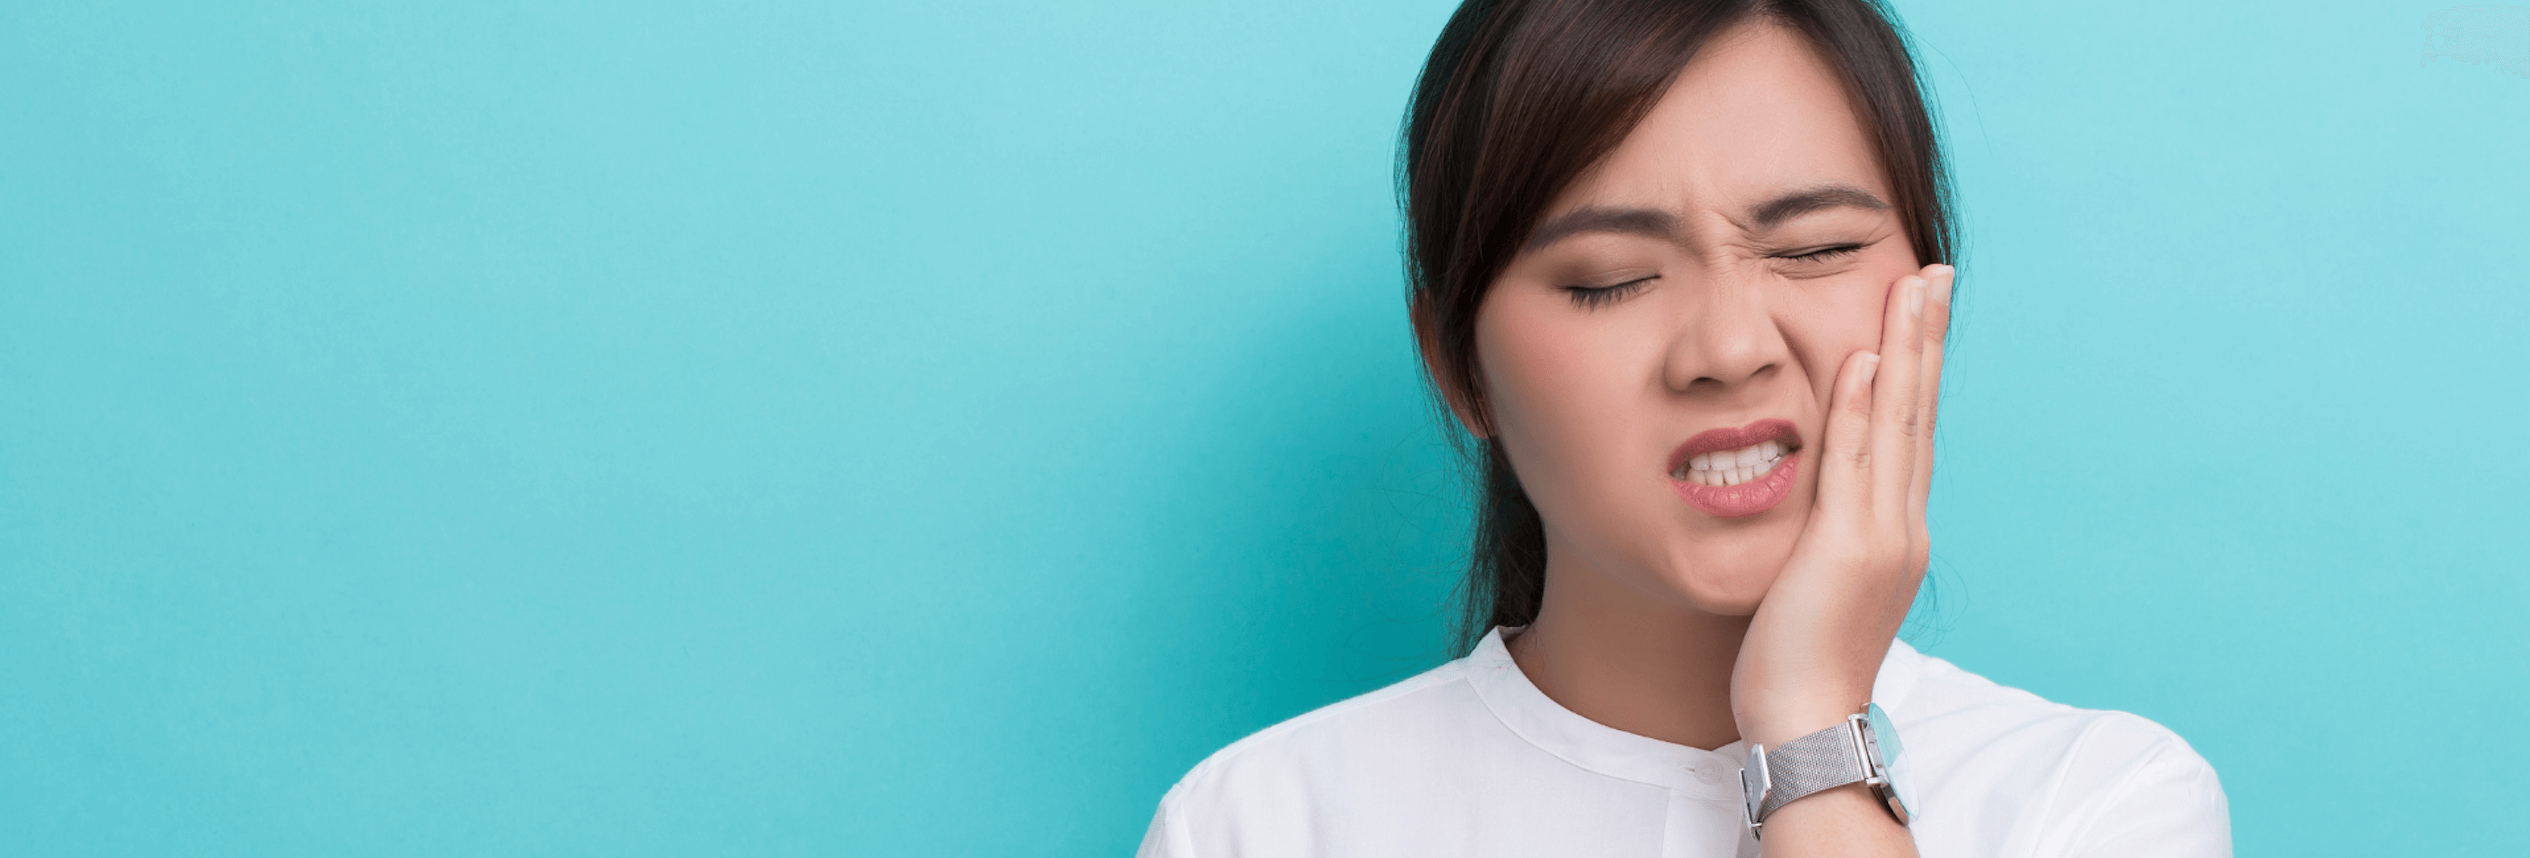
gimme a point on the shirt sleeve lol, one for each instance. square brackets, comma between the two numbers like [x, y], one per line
[2169, 805]
[1167, 836]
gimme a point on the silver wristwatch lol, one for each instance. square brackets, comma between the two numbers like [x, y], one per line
[1864, 748]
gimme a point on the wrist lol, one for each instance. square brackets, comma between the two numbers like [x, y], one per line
[1863, 750]
[1773, 725]
[1843, 821]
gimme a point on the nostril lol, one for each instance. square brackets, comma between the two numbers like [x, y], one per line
[1753, 375]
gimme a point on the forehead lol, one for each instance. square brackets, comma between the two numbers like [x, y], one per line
[1758, 110]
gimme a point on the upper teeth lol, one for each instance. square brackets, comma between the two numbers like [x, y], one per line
[1732, 467]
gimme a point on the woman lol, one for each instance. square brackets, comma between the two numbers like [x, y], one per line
[1677, 272]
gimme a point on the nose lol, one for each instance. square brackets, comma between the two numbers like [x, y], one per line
[1725, 342]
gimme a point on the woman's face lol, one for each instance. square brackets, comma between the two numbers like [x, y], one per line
[1698, 289]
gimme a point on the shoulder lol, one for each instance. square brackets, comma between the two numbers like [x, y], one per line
[1333, 736]
[1959, 713]
[1289, 776]
[2021, 773]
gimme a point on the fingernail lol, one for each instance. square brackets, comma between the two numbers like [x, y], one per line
[1870, 366]
[1948, 275]
[1915, 297]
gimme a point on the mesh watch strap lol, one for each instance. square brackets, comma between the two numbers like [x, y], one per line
[1826, 759]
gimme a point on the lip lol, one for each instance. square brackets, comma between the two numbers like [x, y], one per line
[1748, 498]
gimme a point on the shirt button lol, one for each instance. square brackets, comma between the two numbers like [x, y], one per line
[1705, 774]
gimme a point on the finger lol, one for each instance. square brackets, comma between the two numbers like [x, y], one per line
[1928, 390]
[1893, 417]
[1844, 458]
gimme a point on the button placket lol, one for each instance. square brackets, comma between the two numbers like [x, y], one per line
[1703, 772]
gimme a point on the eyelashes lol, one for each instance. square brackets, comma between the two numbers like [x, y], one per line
[1594, 297]
[1825, 253]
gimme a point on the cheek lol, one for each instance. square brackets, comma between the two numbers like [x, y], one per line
[1521, 365]
[1833, 321]
[1559, 398]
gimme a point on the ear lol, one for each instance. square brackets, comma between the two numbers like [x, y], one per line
[1427, 340]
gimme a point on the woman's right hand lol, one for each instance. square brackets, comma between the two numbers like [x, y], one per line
[1818, 638]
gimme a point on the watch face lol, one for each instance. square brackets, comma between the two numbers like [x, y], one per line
[1890, 757]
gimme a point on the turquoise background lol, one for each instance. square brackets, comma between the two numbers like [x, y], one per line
[788, 428]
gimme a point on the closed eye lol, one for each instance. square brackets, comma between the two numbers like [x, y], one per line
[1593, 297]
[1825, 253]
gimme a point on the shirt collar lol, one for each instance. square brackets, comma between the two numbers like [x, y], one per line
[1542, 722]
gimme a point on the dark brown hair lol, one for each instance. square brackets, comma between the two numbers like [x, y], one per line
[1520, 97]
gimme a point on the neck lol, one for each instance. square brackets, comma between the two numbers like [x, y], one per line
[1643, 664]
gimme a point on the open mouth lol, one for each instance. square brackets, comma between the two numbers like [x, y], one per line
[1732, 467]
[1739, 471]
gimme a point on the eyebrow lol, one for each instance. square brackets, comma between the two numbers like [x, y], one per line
[1773, 212]
[1654, 223]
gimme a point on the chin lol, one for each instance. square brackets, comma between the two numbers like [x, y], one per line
[1726, 595]
[1729, 581]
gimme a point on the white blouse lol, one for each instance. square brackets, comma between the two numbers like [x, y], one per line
[1470, 759]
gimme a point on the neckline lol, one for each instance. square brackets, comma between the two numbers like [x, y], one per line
[1539, 720]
